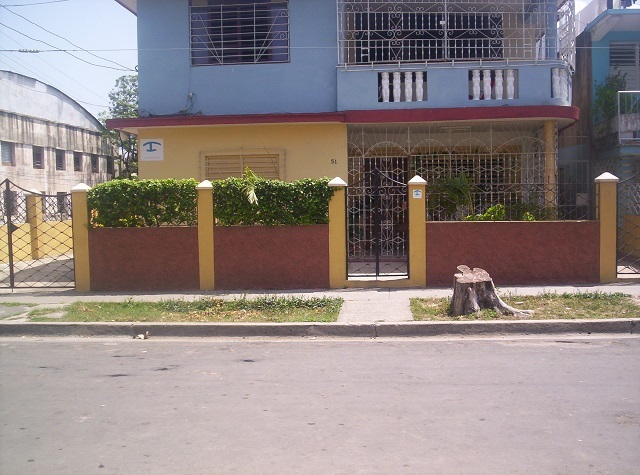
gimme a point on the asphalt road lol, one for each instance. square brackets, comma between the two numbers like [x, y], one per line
[552, 405]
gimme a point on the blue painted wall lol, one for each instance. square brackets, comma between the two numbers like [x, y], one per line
[310, 82]
[600, 52]
[306, 84]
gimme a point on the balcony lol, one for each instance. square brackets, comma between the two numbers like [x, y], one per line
[464, 84]
[628, 120]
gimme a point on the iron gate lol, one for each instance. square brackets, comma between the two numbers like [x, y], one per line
[36, 241]
[377, 220]
[628, 243]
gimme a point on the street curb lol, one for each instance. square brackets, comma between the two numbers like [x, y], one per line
[344, 330]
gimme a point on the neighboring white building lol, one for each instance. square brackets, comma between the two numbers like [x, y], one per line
[50, 142]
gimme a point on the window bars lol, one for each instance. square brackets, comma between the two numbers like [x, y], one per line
[239, 31]
[371, 31]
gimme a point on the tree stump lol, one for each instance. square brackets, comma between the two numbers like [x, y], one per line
[473, 290]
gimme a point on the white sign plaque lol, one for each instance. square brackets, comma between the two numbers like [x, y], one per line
[417, 194]
[151, 150]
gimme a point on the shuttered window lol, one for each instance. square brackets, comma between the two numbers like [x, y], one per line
[221, 166]
[625, 58]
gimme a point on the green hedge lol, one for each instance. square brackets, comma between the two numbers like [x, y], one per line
[147, 203]
[293, 203]
[143, 203]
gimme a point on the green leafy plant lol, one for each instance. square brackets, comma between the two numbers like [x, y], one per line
[450, 197]
[605, 104]
[170, 202]
[143, 203]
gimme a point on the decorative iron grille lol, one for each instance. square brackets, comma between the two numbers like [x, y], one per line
[377, 219]
[239, 31]
[371, 31]
[472, 168]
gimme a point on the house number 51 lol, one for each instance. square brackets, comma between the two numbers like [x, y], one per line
[334, 161]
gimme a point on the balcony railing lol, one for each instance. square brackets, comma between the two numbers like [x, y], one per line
[628, 117]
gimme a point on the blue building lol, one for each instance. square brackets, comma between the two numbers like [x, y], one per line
[310, 88]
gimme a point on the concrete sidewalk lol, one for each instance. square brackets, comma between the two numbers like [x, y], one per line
[365, 313]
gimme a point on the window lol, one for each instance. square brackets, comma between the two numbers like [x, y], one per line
[77, 161]
[8, 153]
[9, 202]
[110, 165]
[60, 165]
[63, 204]
[95, 164]
[625, 58]
[219, 167]
[239, 31]
[38, 157]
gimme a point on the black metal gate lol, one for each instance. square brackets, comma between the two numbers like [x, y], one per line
[628, 242]
[36, 240]
[377, 220]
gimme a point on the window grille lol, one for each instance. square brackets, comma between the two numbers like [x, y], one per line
[219, 167]
[60, 160]
[239, 31]
[371, 31]
[38, 157]
[77, 161]
[8, 153]
[95, 164]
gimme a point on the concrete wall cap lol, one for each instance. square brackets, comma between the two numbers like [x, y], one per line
[417, 180]
[607, 177]
[205, 185]
[80, 187]
[337, 181]
[33, 191]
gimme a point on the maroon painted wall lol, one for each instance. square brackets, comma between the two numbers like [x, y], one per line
[271, 257]
[515, 253]
[149, 259]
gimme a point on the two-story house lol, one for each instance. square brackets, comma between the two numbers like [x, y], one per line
[310, 88]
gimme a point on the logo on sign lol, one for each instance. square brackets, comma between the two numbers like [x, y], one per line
[152, 150]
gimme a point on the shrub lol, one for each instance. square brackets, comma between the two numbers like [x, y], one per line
[170, 202]
[143, 203]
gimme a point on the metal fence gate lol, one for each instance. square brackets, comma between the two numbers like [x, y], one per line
[628, 242]
[36, 240]
[377, 219]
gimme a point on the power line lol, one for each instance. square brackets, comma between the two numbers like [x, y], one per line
[36, 3]
[70, 54]
[52, 82]
[65, 39]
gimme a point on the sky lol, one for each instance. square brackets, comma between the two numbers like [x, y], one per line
[99, 27]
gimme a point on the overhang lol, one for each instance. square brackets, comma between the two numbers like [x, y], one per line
[564, 115]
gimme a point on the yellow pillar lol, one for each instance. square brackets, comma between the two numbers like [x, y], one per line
[417, 232]
[205, 235]
[606, 213]
[550, 165]
[338, 235]
[34, 219]
[80, 226]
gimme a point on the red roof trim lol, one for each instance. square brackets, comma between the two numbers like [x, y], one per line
[569, 113]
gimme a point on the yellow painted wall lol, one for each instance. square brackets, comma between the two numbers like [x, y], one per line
[631, 243]
[55, 240]
[311, 150]
[21, 244]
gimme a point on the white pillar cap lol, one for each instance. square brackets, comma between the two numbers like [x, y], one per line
[205, 185]
[80, 187]
[417, 180]
[337, 181]
[607, 177]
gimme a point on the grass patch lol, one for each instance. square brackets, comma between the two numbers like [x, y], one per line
[272, 309]
[547, 306]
